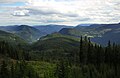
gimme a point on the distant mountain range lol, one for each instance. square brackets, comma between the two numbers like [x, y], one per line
[27, 33]
[99, 33]
[32, 33]
[48, 29]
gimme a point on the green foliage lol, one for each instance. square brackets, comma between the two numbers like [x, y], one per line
[60, 57]
[44, 69]
[55, 48]
[58, 35]
[15, 52]
[19, 69]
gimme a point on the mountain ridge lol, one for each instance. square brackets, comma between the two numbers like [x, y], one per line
[95, 31]
[99, 33]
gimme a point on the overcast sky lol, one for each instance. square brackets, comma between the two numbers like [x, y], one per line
[67, 12]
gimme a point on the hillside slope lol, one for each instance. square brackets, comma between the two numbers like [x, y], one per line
[99, 33]
[5, 36]
[48, 29]
[28, 33]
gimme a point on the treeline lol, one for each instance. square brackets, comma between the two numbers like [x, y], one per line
[87, 71]
[88, 60]
[13, 51]
[18, 69]
[93, 61]
[13, 62]
[91, 53]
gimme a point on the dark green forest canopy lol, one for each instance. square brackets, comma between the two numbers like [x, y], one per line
[60, 57]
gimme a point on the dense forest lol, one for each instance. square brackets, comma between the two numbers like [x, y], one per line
[85, 60]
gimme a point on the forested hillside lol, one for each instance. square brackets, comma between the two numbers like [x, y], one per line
[32, 33]
[60, 57]
[28, 33]
[99, 33]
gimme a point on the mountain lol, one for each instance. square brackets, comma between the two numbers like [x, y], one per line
[71, 32]
[11, 38]
[58, 35]
[81, 31]
[111, 32]
[99, 33]
[51, 28]
[28, 33]
[32, 33]
[8, 28]
[55, 46]
[56, 43]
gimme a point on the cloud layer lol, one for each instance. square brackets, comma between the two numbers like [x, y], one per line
[69, 12]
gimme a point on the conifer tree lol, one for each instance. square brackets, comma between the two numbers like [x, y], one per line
[4, 70]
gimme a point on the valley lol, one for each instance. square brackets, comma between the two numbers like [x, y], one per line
[64, 52]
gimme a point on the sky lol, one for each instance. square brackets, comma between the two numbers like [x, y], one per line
[62, 12]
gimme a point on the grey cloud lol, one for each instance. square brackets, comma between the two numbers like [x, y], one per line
[42, 12]
[71, 14]
[51, 12]
[21, 15]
